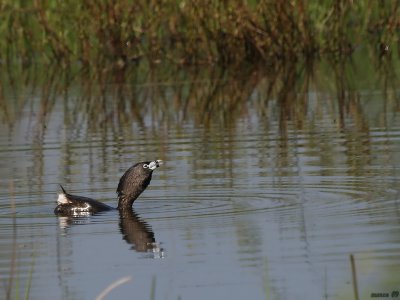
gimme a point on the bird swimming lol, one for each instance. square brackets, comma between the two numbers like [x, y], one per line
[134, 181]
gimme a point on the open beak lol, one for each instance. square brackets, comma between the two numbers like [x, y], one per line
[155, 164]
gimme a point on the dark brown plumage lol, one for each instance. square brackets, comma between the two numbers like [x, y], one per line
[134, 181]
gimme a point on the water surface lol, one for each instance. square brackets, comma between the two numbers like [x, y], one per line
[263, 201]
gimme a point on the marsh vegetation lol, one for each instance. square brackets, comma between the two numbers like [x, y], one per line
[108, 33]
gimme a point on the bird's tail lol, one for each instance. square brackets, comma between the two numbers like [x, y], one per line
[64, 192]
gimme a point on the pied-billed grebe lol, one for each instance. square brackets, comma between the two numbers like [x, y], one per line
[134, 181]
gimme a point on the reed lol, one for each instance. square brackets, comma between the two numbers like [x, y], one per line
[105, 33]
[354, 277]
[12, 285]
[113, 286]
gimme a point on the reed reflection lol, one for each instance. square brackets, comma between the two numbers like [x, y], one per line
[124, 104]
[204, 96]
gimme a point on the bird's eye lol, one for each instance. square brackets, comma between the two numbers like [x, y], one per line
[145, 166]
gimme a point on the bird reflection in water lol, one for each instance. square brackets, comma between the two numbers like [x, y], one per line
[138, 233]
[134, 230]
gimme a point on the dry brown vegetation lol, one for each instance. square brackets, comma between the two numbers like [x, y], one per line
[118, 33]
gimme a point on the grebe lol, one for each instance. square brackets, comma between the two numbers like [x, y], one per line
[134, 181]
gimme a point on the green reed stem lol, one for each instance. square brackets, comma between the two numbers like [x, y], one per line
[29, 283]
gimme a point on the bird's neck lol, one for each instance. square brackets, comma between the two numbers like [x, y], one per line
[126, 201]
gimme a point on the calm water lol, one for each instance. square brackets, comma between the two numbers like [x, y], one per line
[257, 207]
